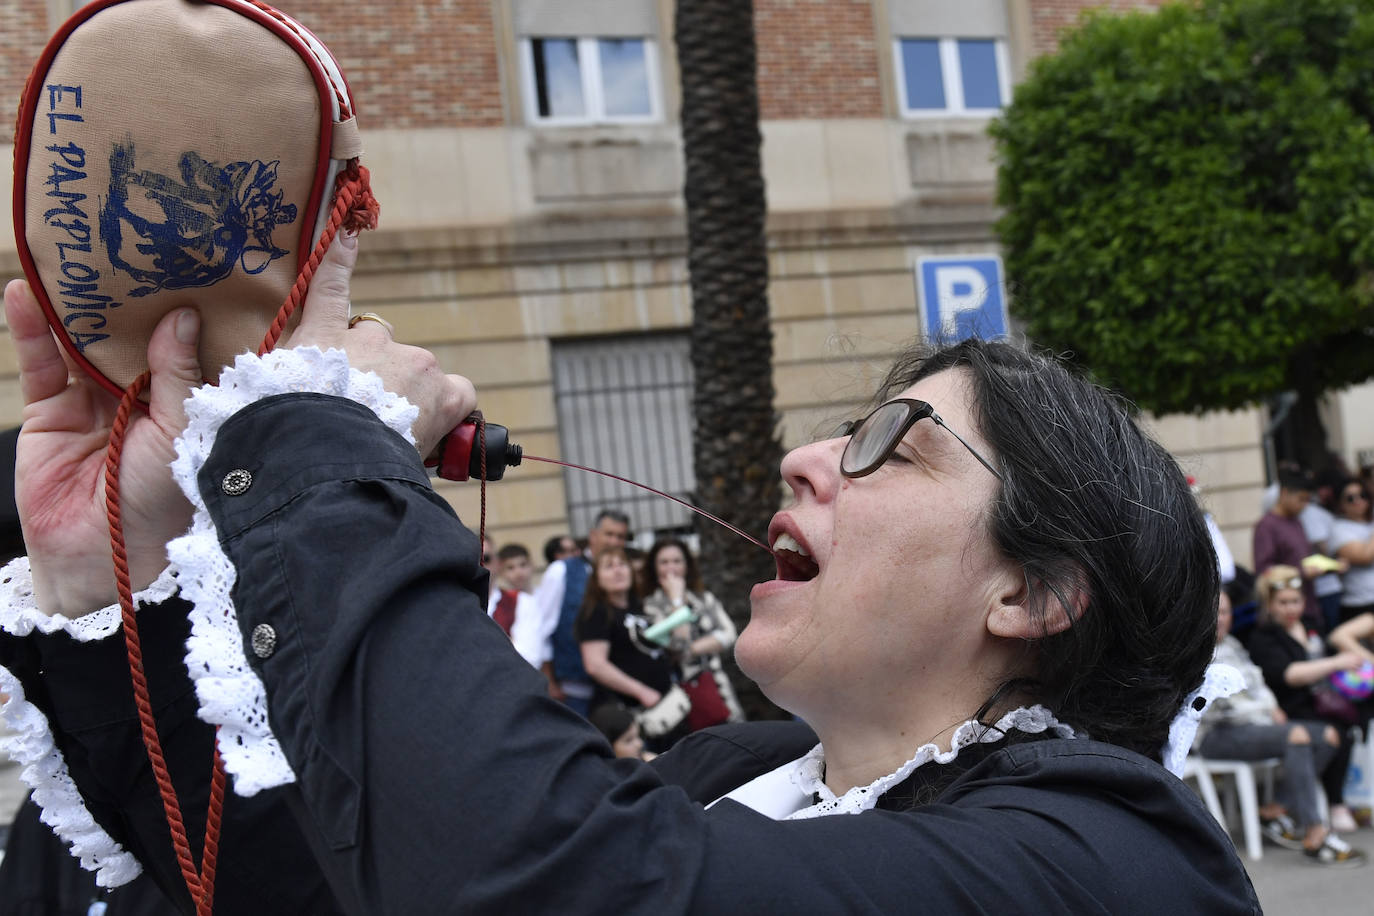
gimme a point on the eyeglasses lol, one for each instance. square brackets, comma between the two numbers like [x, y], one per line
[1355, 497]
[873, 439]
[1295, 582]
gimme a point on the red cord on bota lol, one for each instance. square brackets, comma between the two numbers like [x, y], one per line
[354, 209]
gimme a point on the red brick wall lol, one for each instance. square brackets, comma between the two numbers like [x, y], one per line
[421, 63]
[418, 63]
[23, 30]
[1051, 17]
[817, 59]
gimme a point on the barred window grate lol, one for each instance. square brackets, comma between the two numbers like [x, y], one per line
[625, 406]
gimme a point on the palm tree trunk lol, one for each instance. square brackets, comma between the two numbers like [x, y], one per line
[736, 447]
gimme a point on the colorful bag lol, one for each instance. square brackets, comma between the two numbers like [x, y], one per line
[172, 152]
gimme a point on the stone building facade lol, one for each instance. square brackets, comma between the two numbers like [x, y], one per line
[528, 160]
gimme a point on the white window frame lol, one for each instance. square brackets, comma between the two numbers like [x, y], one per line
[953, 76]
[589, 62]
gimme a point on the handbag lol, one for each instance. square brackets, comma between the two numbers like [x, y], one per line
[1333, 707]
[667, 714]
[708, 706]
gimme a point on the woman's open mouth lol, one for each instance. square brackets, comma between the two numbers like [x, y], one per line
[794, 563]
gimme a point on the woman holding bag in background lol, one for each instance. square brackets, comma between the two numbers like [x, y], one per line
[1296, 668]
[625, 666]
[672, 583]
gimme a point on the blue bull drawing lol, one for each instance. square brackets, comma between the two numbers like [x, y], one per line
[172, 233]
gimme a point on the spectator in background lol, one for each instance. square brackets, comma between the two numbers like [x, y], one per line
[620, 728]
[514, 569]
[625, 666]
[1352, 540]
[513, 608]
[559, 597]
[1280, 538]
[1316, 519]
[1296, 666]
[1366, 476]
[672, 581]
[1250, 726]
[559, 547]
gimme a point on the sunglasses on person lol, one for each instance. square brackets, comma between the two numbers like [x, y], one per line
[1295, 582]
[873, 439]
[1358, 496]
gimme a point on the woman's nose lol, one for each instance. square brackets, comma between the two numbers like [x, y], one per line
[813, 471]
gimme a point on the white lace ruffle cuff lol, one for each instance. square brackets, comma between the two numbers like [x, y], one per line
[20, 616]
[809, 777]
[31, 744]
[230, 693]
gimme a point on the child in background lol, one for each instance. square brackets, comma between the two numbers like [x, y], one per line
[620, 727]
[514, 569]
[513, 607]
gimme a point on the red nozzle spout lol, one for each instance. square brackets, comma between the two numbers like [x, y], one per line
[459, 458]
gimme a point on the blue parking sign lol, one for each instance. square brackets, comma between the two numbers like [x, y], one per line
[961, 296]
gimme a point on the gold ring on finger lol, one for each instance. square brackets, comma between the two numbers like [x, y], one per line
[372, 316]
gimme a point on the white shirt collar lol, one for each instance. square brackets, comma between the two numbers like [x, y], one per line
[789, 791]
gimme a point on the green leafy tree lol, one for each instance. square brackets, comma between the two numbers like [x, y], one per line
[1189, 202]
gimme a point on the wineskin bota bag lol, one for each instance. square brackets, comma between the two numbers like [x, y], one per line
[171, 153]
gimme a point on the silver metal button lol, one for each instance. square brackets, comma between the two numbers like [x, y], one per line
[236, 482]
[264, 640]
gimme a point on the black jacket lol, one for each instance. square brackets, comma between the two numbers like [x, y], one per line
[435, 775]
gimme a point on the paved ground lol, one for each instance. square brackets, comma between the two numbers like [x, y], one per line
[1286, 884]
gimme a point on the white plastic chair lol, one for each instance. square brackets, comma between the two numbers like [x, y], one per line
[1247, 791]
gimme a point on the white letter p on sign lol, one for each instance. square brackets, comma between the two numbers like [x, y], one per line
[958, 289]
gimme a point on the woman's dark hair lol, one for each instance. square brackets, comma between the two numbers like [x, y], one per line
[1091, 506]
[612, 720]
[595, 599]
[649, 581]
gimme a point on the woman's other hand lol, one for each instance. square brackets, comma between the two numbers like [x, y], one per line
[1348, 661]
[444, 400]
[60, 460]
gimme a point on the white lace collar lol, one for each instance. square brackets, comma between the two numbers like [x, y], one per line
[787, 792]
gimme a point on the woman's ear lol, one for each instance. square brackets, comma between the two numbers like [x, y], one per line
[1031, 610]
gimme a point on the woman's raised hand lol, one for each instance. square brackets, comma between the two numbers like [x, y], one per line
[412, 372]
[60, 461]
